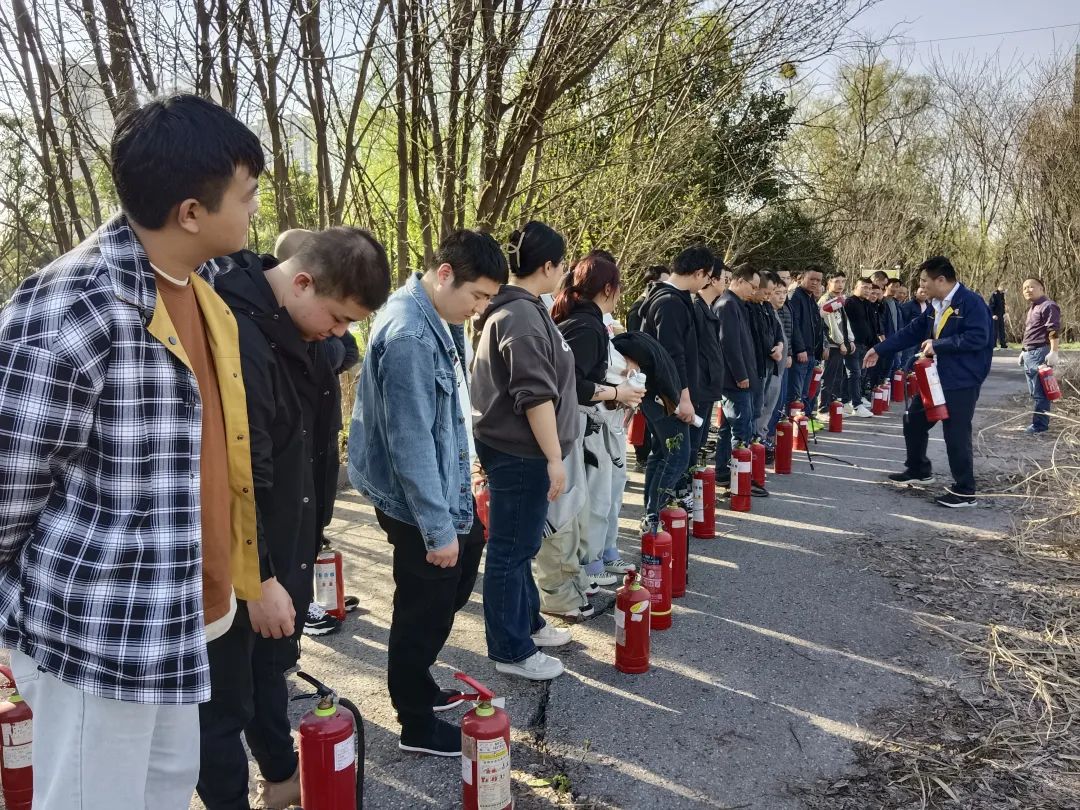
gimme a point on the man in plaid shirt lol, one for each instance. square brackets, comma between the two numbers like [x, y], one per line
[115, 410]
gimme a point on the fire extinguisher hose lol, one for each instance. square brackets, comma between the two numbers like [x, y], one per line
[348, 704]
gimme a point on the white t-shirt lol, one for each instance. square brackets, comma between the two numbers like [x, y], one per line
[461, 374]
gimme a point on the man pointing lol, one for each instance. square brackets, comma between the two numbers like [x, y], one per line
[957, 331]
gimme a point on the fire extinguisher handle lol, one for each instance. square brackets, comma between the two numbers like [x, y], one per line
[482, 692]
[320, 687]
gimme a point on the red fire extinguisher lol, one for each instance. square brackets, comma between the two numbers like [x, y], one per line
[636, 434]
[933, 398]
[704, 500]
[897, 393]
[482, 494]
[1049, 383]
[785, 443]
[802, 432]
[757, 463]
[632, 621]
[656, 575]
[673, 518]
[795, 407]
[331, 768]
[485, 752]
[881, 402]
[836, 417]
[330, 583]
[16, 747]
[912, 385]
[815, 381]
[740, 478]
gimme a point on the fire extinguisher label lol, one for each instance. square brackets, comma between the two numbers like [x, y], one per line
[344, 754]
[326, 584]
[651, 573]
[699, 502]
[937, 396]
[493, 774]
[20, 733]
[18, 756]
[734, 466]
[620, 627]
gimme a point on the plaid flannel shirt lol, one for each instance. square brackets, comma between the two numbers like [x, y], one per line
[100, 439]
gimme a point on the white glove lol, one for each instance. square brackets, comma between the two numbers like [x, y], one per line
[1051, 359]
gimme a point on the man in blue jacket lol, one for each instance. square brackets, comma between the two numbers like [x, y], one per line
[957, 330]
[410, 452]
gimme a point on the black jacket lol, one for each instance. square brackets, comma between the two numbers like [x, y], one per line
[997, 303]
[736, 344]
[668, 316]
[763, 327]
[342, 354]
[585, 333]
[292, 412]
[807, 328]
[711, 362]
[661, 378]
[859, 314]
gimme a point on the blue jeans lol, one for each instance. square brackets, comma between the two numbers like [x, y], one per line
[781, 405]
[666, 467]
[738, 423]
[1032, 360]
[798, 383]
[519, 504]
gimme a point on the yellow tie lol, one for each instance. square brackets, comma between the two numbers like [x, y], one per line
[941, 324]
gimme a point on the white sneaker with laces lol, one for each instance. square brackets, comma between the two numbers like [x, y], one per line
[551, 636]
[537, 667]
[601, 580]
[617, 566]
[863, 411]
[849, 410]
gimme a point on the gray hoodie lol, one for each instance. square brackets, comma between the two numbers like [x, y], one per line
[521, 361]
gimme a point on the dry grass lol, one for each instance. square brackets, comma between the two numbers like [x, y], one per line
[1008, 734]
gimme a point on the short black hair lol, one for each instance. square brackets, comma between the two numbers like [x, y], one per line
[865, 280]
[347, 262]
[774, 277]
[533, 246]
[691, 260]
[894, 281]
[473, 255]
[745, 272]
[178, 148]
[1037, 280]
[654, 271]
[837, 274]
[879, 275]
[718, 266]
[938, 267]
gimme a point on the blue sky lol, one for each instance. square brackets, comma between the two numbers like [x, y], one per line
[920, 20]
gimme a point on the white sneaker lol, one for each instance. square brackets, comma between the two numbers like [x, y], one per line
[863, 411]
[865, 403]
[849, 409]
[617, 566]
[537, 667]
[551, 636]
[601, 580]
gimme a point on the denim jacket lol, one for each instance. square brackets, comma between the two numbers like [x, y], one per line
[408, 449]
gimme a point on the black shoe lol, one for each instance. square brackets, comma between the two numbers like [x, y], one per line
[906, 477]
[351, 603]
[441, 740]
[758, 491]
[319, 622]
[954, 501]
[448, 699]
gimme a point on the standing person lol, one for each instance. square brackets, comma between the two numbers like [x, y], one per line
[343, 354]
[284, 311]
[127, 526]
[654, 274]
[860, 313]
[737, 347]
[1041, 336]
[842, 378]
[997, 312]
[668, 316]
[959, 333]
[767, 346]
[524, 402]
[783, 314]
[918, 304]
[807, 337]
[778, 361]
[411, 453]
[589, 292]
[711, 360]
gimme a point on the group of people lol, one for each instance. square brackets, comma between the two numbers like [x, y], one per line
[169, 421]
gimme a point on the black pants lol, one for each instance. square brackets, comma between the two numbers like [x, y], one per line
[957, 430]
[248, 694]
[426, 598]
[999, 331]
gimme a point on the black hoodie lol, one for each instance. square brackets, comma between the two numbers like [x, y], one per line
[587, 336]
[289, 386]
[521, 361]
[668, 316]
